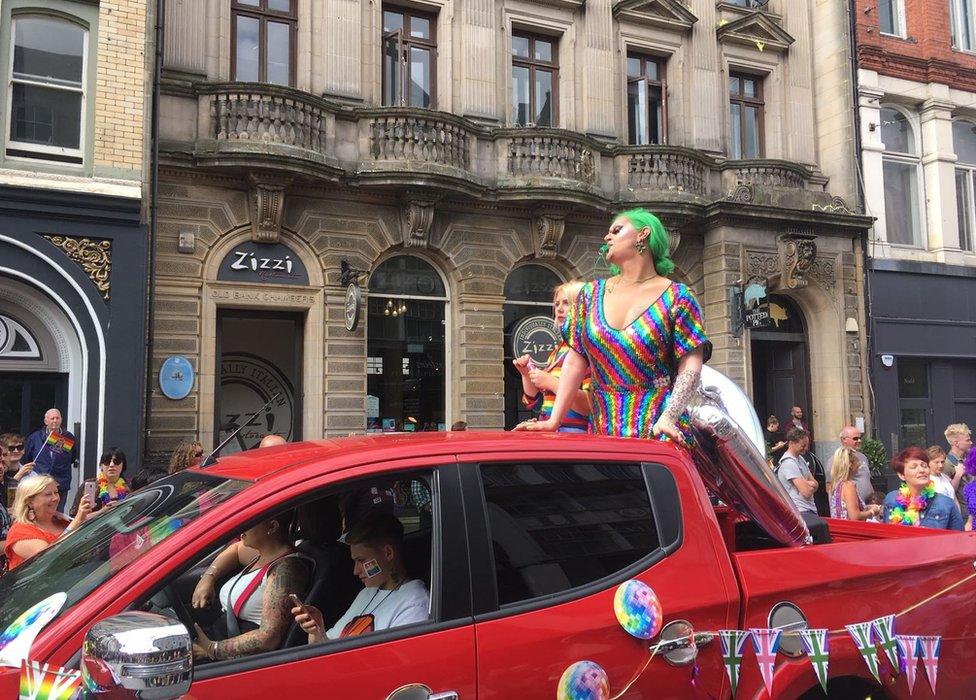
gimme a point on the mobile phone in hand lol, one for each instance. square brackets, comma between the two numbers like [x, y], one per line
[296, 600]
[91, 489]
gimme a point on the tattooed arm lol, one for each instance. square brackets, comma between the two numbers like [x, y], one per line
[685, 385]
[291, 575]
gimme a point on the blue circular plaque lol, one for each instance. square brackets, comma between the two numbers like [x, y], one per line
[176, 377]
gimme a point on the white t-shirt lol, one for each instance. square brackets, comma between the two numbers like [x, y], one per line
[790, 468]
[252, 606]
[403, 606]
[943, 485]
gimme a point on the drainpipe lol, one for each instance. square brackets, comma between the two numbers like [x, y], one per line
[150, 315]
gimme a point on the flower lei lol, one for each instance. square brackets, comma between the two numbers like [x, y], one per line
[103, 497]
[909, 510]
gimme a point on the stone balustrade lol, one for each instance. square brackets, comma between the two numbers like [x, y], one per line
[264, 114]
[769, 173]
[548, 153]
[414, 135]
[667, 169]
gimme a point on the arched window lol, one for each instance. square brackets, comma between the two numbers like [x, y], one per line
[405, 347]
[901, 178]
[528, 298]
[964, 144]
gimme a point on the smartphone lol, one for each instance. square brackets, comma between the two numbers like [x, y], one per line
[296, 600]
[91, 489]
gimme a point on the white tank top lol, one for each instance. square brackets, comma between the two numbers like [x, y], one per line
[234, 588]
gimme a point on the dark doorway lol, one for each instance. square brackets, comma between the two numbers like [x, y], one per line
[25, 396]
[780, 369]
[260, 356]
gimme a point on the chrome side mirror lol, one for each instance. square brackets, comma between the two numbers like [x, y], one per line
[137, 655]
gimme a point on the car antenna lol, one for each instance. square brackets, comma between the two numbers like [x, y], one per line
[212, 457]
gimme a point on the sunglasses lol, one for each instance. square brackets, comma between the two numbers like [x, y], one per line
[16, 448]
[113, 460]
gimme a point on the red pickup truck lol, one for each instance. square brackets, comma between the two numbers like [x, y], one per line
[521, 541]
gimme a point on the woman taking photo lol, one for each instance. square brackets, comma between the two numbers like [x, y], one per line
[37, 523]
[539, 385]
[915, 502]
[845, 503]
[110, 486]
[639, 334]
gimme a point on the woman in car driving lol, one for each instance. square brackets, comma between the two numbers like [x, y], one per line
[389, 597]
[255, 601]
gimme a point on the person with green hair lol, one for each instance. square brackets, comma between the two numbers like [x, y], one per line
[639, 334]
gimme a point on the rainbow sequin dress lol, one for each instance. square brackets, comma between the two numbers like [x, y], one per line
[632, 369]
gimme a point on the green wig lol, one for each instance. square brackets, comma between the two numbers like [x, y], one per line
[657, 240]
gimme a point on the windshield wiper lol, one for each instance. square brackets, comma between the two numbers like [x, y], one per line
[212, 457]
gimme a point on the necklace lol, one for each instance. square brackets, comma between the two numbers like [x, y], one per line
[104, 497]
[622, 282]
[909, 509]
[388, 594]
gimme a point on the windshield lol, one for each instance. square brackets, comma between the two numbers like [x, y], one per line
[111, 540]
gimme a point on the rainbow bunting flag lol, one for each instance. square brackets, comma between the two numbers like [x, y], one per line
[45, 682]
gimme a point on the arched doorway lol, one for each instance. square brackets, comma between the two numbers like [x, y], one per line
[780, 363]
[528, 298]
[405, 347]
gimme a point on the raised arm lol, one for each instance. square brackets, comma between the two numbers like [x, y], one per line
[574, 368]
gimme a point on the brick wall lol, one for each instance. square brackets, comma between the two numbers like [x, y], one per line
[924, 55]
[121, 85]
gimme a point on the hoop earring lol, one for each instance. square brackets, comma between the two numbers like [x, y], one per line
[641, 247]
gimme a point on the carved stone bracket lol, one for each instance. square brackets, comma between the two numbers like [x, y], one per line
[742, 193]
[673, 224]
[798, 251]
[267, 206]
[548, 227]
[93, 255]
[416, 220]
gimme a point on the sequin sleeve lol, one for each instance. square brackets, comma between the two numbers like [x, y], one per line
[573, 327]
[687, 327]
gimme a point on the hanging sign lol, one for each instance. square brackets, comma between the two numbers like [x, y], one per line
[263, 264]
[755, 303]
[536, 336]
[354, 303]
[176, 377]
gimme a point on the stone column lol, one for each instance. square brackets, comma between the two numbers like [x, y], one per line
[477, 27]
[185, 38]
[598, 69]
[870, 96]
[706, 90]
[938, 167]
[722, 264]
[337, 58]
[345, 369]
[478, 391]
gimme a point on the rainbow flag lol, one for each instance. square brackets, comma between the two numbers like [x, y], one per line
[46, 682]
[61, 442]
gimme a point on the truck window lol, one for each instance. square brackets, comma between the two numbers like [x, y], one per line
[557, 526]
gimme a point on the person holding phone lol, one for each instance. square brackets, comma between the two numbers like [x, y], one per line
[37, 522]
[108, 487]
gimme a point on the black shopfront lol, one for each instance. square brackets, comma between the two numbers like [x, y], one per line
[72, 317]
[923, 360]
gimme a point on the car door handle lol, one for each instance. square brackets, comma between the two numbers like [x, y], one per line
[699, 639]
[446, 695]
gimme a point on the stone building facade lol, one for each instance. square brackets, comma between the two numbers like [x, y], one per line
[459, 159]
[917, 87]
[73, 235]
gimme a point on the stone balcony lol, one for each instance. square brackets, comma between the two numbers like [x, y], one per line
[249, 126]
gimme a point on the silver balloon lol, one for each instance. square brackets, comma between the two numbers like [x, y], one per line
[730, 453]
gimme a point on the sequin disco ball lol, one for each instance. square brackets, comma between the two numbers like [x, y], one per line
[638, 610]
[584, 680]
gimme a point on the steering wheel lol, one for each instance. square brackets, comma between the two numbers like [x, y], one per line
[183, 613]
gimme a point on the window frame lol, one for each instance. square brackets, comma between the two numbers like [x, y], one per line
[899, 15]
[661, 82]
[47, 154]
[404, 43]
[759, 101]
[663, 499]
[533, 64]
[967, 232]
[914, 159]
[263, 15]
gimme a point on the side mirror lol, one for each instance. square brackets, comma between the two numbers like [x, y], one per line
[137, 655]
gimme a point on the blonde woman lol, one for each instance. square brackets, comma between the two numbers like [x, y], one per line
[845, 503]
[539, 383]
[37, 523]
[186, 456]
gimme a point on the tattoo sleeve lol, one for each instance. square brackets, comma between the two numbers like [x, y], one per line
[288, 576]
[685, 385]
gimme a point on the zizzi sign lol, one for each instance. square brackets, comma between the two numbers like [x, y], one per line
[263, 263]
[537, 337]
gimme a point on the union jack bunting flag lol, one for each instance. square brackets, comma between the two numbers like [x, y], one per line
[815, 642]
[908, 646]
[765, 642]
[930, 647]
[733, 645]
[861, 634]
[884, 630]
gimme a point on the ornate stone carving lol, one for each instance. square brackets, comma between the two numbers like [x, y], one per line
[267, 206]
[824, 272]
[416, 221]
[673, 223]
[548, 227]
[93, 255]
[798, 252]
[741, 193]
[837, 206]
[761, 264]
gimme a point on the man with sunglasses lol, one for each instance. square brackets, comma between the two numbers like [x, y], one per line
[850, 437]
[55, 457]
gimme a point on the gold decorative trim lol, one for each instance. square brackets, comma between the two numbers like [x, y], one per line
[94, 256]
